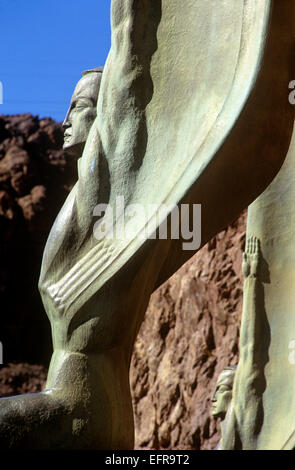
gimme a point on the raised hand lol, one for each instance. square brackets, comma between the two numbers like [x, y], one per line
[251, 257]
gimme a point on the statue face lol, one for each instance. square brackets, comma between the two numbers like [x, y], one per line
[222, 394]
[81, 113]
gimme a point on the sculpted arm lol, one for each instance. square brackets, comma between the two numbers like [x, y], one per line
[247, 385]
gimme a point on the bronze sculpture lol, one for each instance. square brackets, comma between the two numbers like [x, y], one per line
[222, 396]
[158, 140]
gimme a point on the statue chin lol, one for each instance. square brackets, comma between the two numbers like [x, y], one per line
[74, 149]
[216, 414]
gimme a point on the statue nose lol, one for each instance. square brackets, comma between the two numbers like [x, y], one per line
[214, 395]
[66, 122]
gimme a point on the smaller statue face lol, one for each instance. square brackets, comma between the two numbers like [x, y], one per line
[81, 113]
[222, 395]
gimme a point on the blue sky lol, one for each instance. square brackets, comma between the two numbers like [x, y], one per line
[45, 45]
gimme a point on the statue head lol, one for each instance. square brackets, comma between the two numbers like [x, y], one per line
[222, 395]
[82, 111]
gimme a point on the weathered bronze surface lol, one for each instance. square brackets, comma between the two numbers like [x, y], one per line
[193, 108]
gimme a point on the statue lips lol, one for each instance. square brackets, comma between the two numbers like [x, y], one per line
[68, 133]
[67, 139]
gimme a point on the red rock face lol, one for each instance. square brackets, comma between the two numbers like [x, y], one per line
[191, 327]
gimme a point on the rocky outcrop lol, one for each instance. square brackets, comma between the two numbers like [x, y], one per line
[191, 327]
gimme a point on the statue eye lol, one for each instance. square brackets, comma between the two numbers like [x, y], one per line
[81, 105]
[224, 388]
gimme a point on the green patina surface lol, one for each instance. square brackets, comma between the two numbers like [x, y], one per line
[181, 112]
